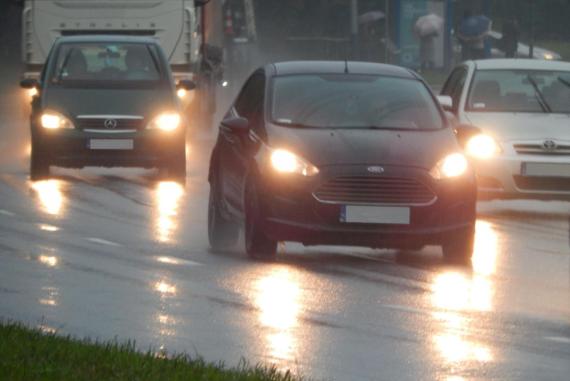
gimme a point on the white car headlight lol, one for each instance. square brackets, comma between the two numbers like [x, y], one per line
[169, 121]
[482, 147]
[52, 120]
[284, 161]
[453, 165]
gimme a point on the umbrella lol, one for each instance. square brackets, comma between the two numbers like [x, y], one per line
[428, 25]
[475, 26]
[371, 16]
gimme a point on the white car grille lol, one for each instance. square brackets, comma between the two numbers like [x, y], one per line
[542, 149]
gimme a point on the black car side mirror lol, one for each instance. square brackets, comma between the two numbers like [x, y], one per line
[237, 125]
[29, 83]
[464, 132]
[186, 84]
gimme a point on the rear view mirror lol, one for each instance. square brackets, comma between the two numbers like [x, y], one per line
[237, 125]
[186, 84]
[446, 102]
[464, 132]
[29, 83]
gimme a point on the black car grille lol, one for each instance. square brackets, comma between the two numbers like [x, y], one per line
[375, 190]
[552, 184]
[537, 149]
[99, 124]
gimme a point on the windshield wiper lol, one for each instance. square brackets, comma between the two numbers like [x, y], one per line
[539, 96]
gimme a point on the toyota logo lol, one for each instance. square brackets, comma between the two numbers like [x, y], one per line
[375, 169]
[110, 123]
[549, 145]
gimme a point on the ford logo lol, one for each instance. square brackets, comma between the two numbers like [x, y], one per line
[375, 169]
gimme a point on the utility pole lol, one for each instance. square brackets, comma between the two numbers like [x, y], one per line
[354, 28]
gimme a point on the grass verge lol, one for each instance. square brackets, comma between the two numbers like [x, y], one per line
[29, 354]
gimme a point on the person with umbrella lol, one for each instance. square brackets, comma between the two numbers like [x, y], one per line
[427, 28]
[472, 32]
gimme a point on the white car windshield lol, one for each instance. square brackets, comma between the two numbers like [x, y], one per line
[353, 101]
[531, 91]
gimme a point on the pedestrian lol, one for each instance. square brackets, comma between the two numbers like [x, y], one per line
[510, 39]
[472, 33]
[427, 28]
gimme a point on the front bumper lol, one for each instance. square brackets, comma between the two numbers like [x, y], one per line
[72, 148]
[293, 213]
[503, 177]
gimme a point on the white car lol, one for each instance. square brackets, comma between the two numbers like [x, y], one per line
[497, 50]
[522, 110]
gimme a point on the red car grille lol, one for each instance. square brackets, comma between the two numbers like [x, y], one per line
[375, 190]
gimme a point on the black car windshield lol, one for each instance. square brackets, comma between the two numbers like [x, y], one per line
[533, 91]
[353, 101]
[105, 64]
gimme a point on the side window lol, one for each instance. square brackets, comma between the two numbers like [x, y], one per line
[451, 82]
[458, 89]
[454, 85]
[250, 101]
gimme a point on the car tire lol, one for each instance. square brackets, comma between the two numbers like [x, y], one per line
[39, 163]
[458, 249]
[257, 244]
[176, 165]
[222, 232]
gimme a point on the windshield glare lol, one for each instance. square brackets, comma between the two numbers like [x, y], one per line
[520, 91]
[105, 63]
[353, 101]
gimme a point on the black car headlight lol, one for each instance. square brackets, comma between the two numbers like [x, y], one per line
[53, 120]
[451, 166]
[168, 121]
[284, 161]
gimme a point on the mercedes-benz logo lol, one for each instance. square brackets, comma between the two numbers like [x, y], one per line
[375, 169]
[549, 145]
[110, 123]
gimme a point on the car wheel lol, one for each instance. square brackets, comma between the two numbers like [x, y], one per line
[222, 232]
[458, 249]
[257, 244]
[39, 163]
[176, 165]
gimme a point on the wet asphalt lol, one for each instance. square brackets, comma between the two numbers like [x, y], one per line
[118, 254]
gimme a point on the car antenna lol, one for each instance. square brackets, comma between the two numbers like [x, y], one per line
[345, 66]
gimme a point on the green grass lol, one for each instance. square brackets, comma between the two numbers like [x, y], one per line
[29, 354]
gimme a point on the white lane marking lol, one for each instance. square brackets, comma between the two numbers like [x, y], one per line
[103, 242]
[563, 340]
[176, 261]
[6, 213]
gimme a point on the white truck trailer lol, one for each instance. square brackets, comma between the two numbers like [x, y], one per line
[176, 24]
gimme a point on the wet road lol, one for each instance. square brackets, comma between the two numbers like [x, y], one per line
[120, 254]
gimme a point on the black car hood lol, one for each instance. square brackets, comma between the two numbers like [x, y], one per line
[324, 147]
[143, 102]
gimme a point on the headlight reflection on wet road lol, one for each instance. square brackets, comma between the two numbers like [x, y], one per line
[168, 195]
[49, 195]
[277, 297]
[456, 293]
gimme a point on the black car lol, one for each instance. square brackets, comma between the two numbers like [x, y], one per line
[106, 101]
[340, 153]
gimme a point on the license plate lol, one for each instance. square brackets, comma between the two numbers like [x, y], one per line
[545, 169]
[375, 214]
[112, 144]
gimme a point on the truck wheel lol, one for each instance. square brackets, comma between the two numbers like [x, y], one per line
[257, 244]
[458, 249]
[39, 164]
[222, 232]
